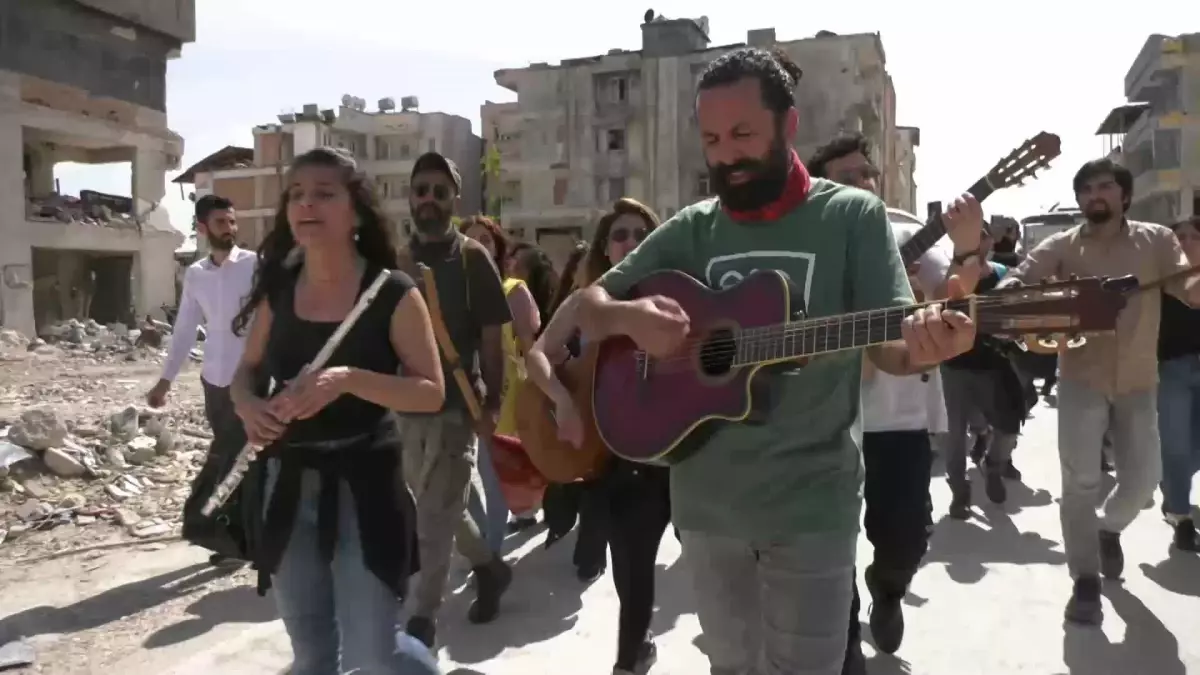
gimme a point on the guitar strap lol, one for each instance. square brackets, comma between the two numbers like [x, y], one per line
[449, 353]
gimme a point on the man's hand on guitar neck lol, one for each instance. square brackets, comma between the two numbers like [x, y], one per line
[964, 224]
[932, 335]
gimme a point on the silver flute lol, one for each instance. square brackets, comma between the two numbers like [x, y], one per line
[228, 484]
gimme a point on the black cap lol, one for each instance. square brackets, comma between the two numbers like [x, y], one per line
[434, 161]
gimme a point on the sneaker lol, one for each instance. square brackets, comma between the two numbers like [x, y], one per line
[646, 657]
[423, 629]
[960, 503]
[1112, 558]
[521, 524]
[1084, 607]
[491, 581]
[1011, 472]
[224, 562]
[1186, 538]
[886, 613]
[994, 487]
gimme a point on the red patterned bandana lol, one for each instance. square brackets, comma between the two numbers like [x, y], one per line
[795, 191]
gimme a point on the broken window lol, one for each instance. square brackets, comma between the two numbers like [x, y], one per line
[614, 139]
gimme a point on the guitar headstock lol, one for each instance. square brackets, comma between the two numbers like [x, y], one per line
[1024, 162]
[1072, 307]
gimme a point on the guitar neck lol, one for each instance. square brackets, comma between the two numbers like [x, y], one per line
[935, 229]
[813, 337]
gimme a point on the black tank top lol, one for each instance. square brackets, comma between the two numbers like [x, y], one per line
[350, 440]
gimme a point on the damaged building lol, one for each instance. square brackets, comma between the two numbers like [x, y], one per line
[588, 130]
[84, 81]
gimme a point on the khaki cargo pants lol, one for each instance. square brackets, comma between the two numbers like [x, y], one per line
[439, 461]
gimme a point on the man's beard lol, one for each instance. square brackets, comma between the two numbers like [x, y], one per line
[1097, 212]
[430, 219]
[768, 178]
[221, 242]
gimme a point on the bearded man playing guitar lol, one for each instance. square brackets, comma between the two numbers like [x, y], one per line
[769, 511]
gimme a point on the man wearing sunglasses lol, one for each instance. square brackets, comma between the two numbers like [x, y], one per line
[440, 449]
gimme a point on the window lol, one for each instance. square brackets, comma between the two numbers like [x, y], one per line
[614, 139]
[382, 148]
[1167, 148]
[616, 188]
[702, 187]
[560, 191]
[405, 151]
[433, 145]
[512, 192]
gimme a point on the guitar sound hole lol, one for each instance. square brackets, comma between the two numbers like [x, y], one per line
[717, 352]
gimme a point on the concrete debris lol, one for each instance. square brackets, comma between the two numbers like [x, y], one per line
[75, 456]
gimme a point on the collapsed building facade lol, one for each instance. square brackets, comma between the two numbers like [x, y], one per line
[84, 81]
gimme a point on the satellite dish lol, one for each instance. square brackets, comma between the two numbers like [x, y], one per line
[648, 16]
[347, 100]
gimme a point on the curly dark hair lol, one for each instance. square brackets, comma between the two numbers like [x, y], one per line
[499, 237]
[596, 262]
[836, 149]
[375, 241]
[774, 70]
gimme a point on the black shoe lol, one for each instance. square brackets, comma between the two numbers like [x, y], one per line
[647, 655]
[886, 613]
[422, 629]
[960, 503]
[491, 581]
[1084, 607]
[980, 447]
[855, 663]
[1011, 472]
[521, 524]
[224, 561]
[1112, 558]
[994, 487]
[1186, 536]
[589, 573]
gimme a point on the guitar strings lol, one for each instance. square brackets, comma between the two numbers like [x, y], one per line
[864, 324]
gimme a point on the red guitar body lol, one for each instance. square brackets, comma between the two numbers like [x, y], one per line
[659, 411]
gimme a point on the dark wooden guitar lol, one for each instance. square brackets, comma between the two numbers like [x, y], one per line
[1019, 165]
[654, 411]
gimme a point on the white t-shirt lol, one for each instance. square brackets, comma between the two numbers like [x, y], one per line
[912, 402]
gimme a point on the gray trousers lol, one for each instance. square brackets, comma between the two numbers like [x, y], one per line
[1084, 416]
[773, 608]
[971, 398]
[439, 460]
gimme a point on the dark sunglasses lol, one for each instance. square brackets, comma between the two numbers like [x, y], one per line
[863, 173]
[621, 235]
[440, 192]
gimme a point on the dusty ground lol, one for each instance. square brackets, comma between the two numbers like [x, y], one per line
[988, 600]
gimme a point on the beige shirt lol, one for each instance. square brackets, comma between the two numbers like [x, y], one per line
[1127, 360]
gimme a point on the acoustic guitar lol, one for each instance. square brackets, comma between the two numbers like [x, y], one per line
[658, 411]
[556, 459]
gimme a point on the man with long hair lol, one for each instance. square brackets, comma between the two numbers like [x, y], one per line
[214, 289]
[769, 511]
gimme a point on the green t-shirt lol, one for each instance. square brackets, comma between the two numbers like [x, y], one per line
[801, 471]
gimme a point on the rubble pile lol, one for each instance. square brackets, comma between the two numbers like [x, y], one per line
[68, 209]
[131, 467]
[90, 339]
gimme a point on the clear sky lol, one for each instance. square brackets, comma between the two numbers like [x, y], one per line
[977, 85]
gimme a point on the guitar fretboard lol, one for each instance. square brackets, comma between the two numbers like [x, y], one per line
[935, 229]
[812, 337]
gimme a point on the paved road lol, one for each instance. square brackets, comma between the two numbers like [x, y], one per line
[987, 602]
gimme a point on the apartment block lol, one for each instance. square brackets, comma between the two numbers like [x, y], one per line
[385, 143]
[1156, 133]
[587, 131]
[85, 81]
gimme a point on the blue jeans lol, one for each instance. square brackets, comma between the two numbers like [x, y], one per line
[1179, 428]
[340, 616]
[490, 512]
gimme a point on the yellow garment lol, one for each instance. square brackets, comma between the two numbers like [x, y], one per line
[514, 371]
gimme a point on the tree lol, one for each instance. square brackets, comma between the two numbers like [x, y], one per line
[490, 170]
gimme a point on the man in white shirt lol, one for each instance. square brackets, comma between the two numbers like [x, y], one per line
[214, 289]
[899, 414]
